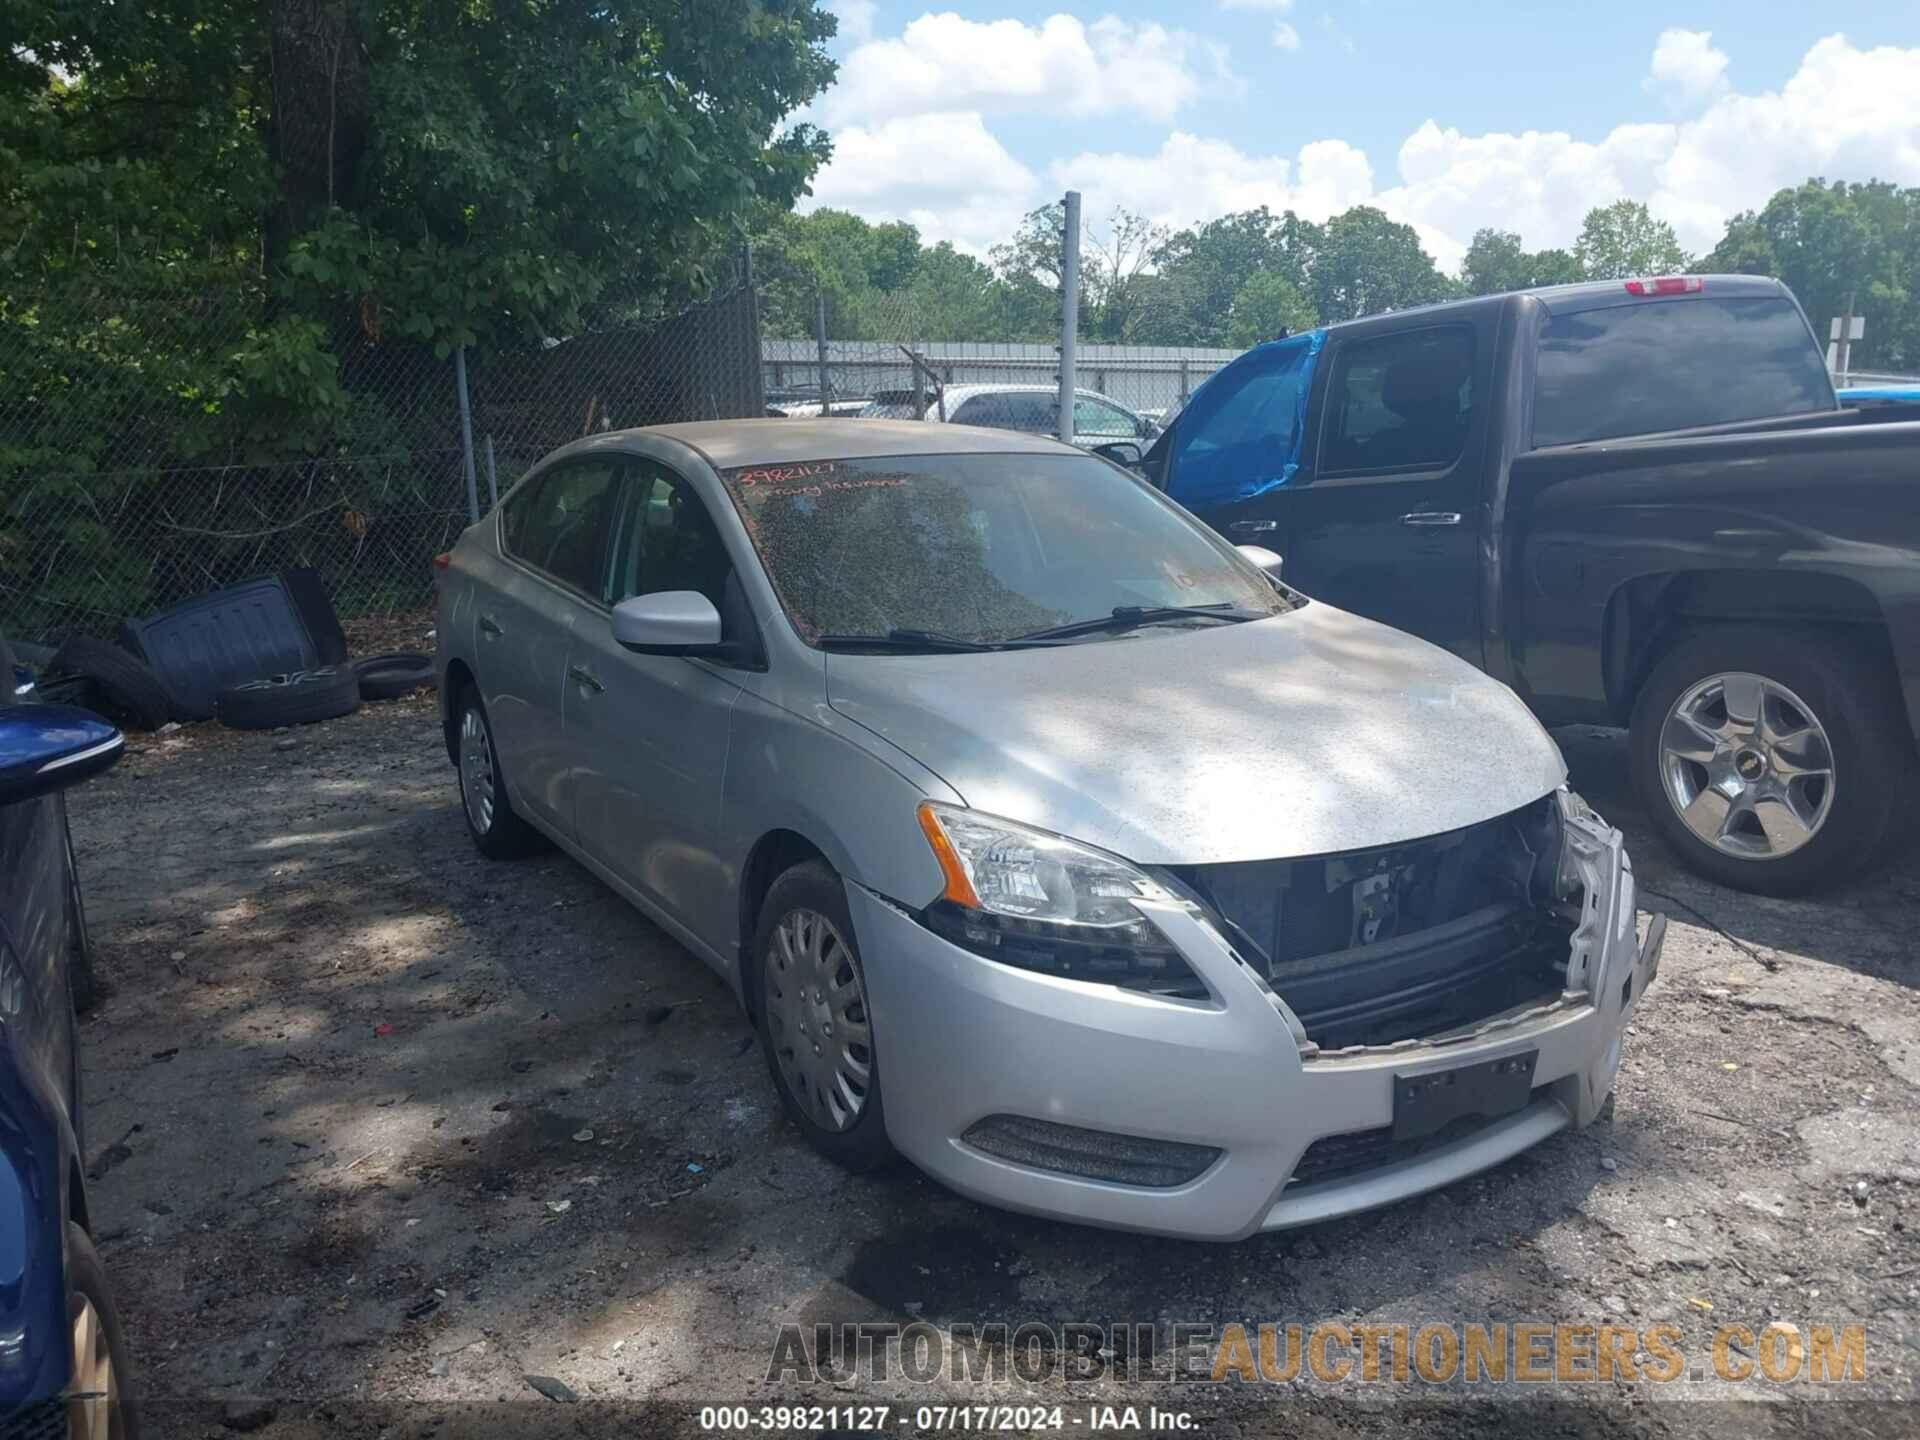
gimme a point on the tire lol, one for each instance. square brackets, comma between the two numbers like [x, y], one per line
[388, 677]
[812, 890]
[87, 1285]
[1798, 675]
[497, 829]
[123, 680]
[301, 698]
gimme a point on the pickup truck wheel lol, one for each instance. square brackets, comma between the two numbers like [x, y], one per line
[1769, 761]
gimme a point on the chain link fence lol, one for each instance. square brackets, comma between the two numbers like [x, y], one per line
[1126, 391]
[155, 445]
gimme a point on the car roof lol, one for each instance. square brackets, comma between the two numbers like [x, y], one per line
[956, 393]
[1580, 295]
[730, 444]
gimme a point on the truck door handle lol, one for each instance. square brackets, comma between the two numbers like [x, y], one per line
[580, 675]
[1431, 517]
[490, 626]
[1254, 527]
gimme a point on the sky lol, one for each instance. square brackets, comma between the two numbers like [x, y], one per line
[1519, 116]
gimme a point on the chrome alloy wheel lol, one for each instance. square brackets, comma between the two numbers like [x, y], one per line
[816, 1008]
[476, 770]
[93, 1389]
[1747, 766]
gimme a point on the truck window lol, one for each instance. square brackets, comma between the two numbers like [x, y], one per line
[1400, 402]
[1648, 366]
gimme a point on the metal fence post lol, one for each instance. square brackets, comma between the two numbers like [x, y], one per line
[1184, 388]
[466, 433]
[820, 339]
[1069, 311]
[493, 478]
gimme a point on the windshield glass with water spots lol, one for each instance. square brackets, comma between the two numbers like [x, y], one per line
[981, 548]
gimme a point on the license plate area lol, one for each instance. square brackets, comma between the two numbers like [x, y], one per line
[1428, 1102]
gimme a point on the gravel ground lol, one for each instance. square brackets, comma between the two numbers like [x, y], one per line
[380, 1129]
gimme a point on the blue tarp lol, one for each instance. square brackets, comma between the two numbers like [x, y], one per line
[1240, 435]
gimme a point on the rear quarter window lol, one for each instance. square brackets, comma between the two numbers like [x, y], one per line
[1647, 366]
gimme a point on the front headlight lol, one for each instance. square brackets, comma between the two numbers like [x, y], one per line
[1040, 901]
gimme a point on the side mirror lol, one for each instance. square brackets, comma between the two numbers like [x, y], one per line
[1121, 452]
[44, 748]
[1263, 557]
[668, 622]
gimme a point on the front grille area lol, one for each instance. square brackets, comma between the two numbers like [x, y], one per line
[1369, 947]
[1335, 1157]
[1089, 1154]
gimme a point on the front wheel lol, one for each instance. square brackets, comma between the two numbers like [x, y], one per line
[810, 1004]
[497, 829]
[1771, 761]
[100, 1404]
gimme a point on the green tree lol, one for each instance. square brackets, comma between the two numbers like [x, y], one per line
[1188, 299]
[1833, 242]
[1267, 307]
[1365, 263]
[1624, 239]
[1496, 262]
[475, 167]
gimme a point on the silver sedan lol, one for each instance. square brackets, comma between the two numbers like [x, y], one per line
[1048, 840]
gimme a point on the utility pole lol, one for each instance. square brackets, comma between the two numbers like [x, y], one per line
[820, 340]
[1069, 312]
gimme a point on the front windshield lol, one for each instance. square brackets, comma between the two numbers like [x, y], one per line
[980, 548]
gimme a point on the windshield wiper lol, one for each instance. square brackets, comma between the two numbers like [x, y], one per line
[905, 641]
[1127, 617]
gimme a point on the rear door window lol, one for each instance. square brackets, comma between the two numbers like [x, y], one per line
[1651, 365]
[1403, 401]
[1033, 411]
[558, 524]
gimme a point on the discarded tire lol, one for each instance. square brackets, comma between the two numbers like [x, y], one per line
[388, 677]
[123, 680]
[302, 698]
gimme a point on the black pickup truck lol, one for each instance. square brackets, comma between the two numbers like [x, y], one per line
[1636, 502]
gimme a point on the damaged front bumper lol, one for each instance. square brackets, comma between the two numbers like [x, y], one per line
[1216, 1117]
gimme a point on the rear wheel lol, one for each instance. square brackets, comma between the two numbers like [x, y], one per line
[100, 1403]
[497, 829]
[1771, 761]
[810, 1004]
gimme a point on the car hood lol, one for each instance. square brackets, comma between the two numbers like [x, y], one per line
[1302, 734]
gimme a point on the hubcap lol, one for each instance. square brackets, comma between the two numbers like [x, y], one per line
[476, 770]
[94, 1389]
[816, 1008]
[1747, 766]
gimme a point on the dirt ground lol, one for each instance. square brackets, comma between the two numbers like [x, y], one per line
[379, 1129]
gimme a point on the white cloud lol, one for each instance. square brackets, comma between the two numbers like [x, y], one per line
[1285, 37]
[944, 171]
[1191, 179]
[1686, 69]
[1060, 65]
[856, 20]
[1845, 113]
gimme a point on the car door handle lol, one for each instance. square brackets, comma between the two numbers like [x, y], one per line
[490, 626]
[580, 675]
[1254, 527]
[1431, 517]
